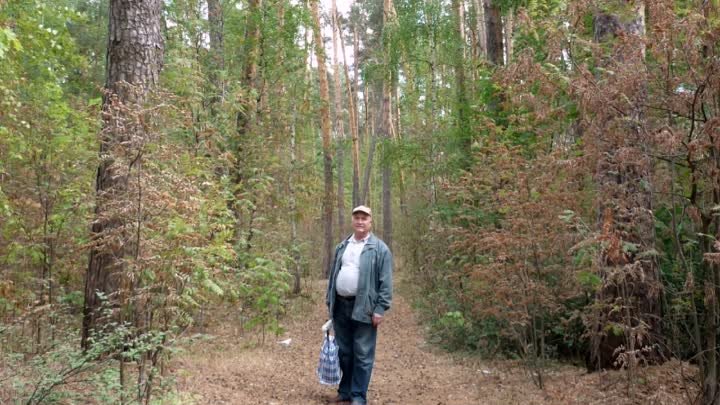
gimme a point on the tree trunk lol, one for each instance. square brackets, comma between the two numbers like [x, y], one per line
[246, 117]
[711, 388]
[710, 366]
[364, 199]
[354, 125]
[340, 159]
[252, 53]
[508, 31]
[356, 84]
[626, 224]
[134, 61]
[493, 32]
[431, 105]
[397, 136]
[293, 204]
[459, 9]
[339, 122]
[369, 110]
[387, 205]
[386, 126]
[325, 125]
[217, 51]
[480, 43]
[463, 126]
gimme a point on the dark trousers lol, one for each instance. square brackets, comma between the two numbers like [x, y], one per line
[356, 343]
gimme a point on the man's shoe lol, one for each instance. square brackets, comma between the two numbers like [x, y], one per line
[339, 400]
[357, 403]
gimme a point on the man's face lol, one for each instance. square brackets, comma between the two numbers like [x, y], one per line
[361, 222]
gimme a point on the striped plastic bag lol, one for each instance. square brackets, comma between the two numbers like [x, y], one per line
[328, 370]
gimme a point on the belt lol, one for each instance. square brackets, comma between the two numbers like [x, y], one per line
[348, 299]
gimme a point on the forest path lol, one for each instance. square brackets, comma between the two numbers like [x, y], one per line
[232, 369]
[406, 370]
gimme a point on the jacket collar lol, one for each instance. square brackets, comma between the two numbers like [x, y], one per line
[372, 240]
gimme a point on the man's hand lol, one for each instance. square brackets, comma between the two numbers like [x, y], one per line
[376, 320]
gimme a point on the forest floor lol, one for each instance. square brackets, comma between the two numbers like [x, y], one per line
[233, 368]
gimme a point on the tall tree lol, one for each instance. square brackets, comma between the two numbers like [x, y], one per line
[623, 175]
[462, 103]
[297, 271]
[493, 32]
[508, 28]
[217, 51]
[326, 138]
[247, 114]
[703, 165]
[386, 123]
[134, 61]
[479, 43]
[356, 79]
[339, 119]
[351, 88]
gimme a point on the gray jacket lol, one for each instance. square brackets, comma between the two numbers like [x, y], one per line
[374, 293]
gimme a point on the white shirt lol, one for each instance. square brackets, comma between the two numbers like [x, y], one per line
[347, 279]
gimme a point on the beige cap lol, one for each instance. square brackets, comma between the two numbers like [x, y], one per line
[362, 208]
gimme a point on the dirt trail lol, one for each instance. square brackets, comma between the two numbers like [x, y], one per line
[230, 370]
[405, 371]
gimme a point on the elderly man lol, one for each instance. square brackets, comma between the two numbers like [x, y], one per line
[358, 294]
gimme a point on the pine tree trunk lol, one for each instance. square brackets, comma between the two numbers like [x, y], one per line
[356, 84]
[217, 51]
[373, 139]
[387, 205]
[386, 126]
[711, 385]
[325, 126]
[340, 159]
[134, 61]
[480, 43]
[459, 10]
[397, 136]
[293, 204]
[247, 116]
[462, 103]
[710, 366]
[493, 32]
[431, 105]
[369, 117]
[339, 123]
[364, 198]
[354, 125]
[626, 222]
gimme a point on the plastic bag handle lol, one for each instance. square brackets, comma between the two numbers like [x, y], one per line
[327, 325]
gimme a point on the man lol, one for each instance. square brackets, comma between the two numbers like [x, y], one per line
[359, 292]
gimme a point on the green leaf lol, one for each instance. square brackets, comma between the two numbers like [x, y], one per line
[567, 215]
[589, 279]
[629, 247]
[648, 253]
[8, 41]
[212, 286]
